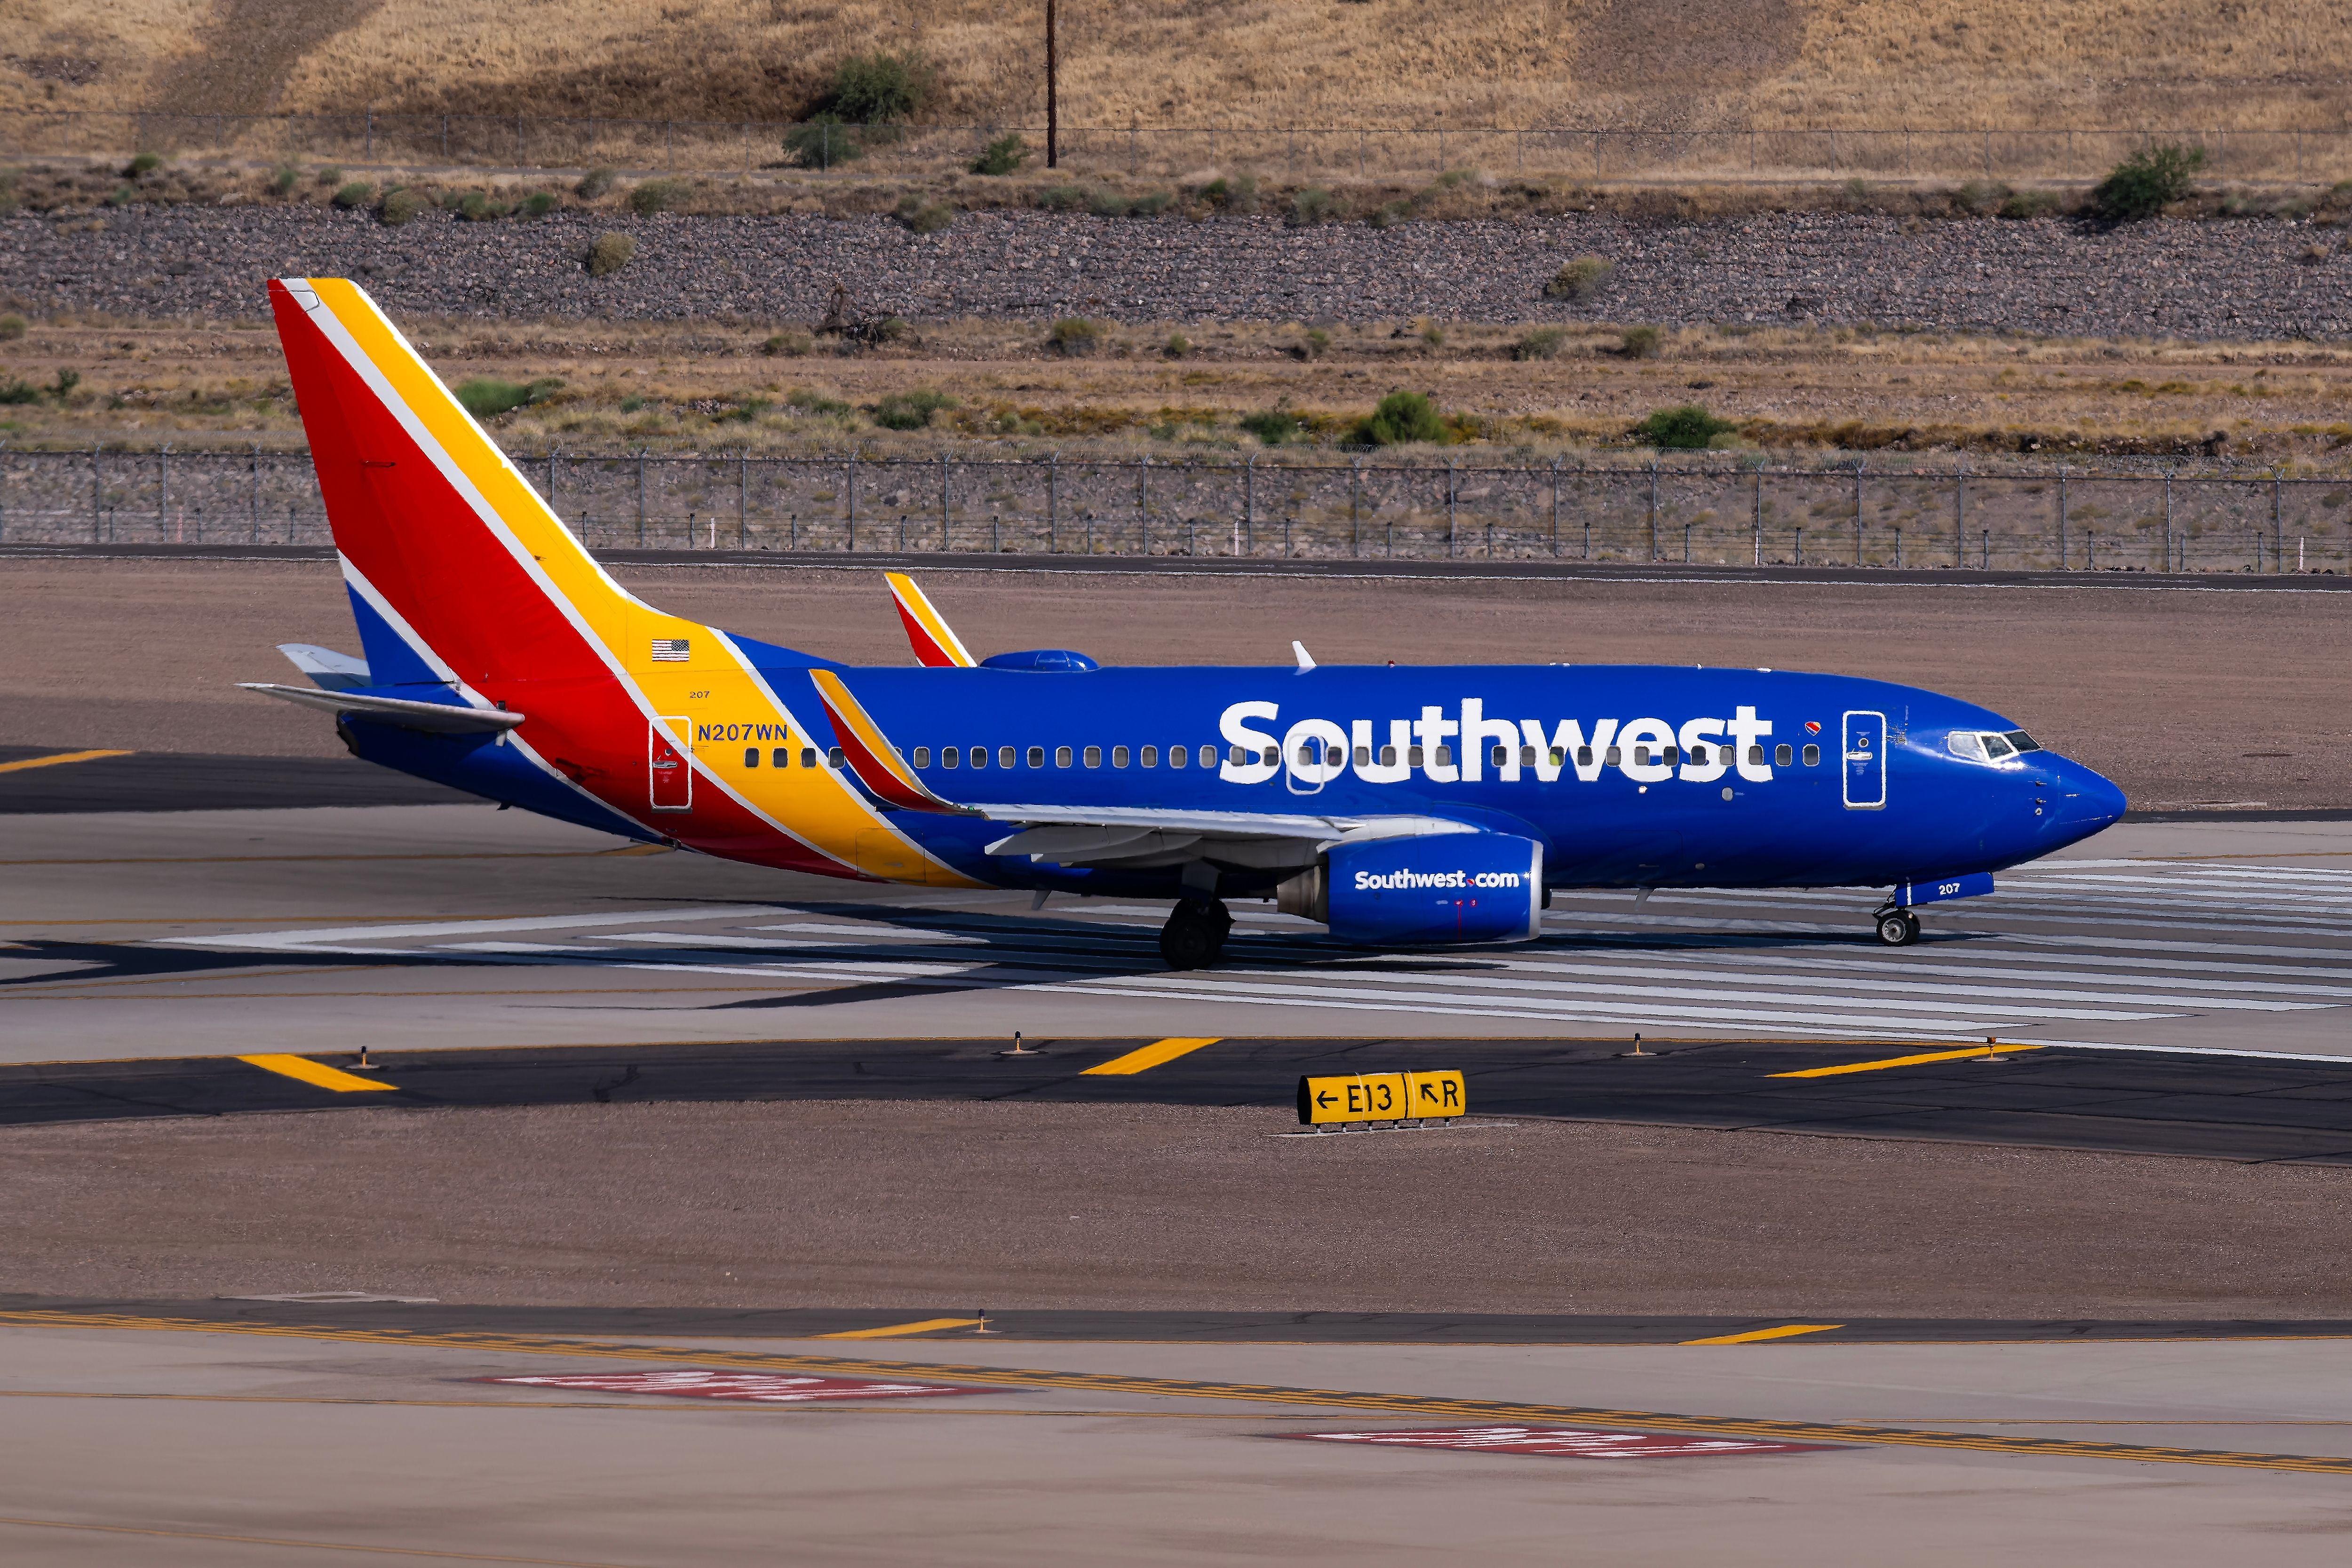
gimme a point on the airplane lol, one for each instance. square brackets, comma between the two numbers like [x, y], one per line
[1400, 807]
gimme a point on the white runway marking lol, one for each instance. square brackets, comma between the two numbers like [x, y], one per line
[2098, 943]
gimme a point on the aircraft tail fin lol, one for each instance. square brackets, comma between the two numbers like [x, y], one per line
[934, 641]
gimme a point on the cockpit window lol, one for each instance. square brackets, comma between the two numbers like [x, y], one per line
[2023, 741]
[1998, 747]
[1989, 745]
[1964, 743]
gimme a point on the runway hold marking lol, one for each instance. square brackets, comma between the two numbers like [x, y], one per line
[1564, 1443]
[318, 1073]
[1150, 1056]
[1755, 1336]
[1424, 1406]
[758, 1387]
[895, 1330]
[23, 763]
[1905, 1062]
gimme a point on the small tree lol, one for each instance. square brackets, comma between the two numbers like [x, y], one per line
[881, 89]
[2146, 183]
[1003, 156]
[1580, 279]
[1688, 428]
[1400, 418]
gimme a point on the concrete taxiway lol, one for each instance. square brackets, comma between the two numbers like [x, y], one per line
[328, 1444]
[176, 934]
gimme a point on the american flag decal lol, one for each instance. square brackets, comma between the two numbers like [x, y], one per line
[670, 651]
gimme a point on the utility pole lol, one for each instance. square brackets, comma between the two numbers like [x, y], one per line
[1053, 99]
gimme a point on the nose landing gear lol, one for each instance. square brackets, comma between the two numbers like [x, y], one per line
[1194, 937]
[1896, 927]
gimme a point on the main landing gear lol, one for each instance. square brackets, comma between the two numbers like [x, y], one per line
[1897, 927]
[1194, 937]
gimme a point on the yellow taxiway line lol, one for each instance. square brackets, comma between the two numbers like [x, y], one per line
[1754, 1336]
[1148, 1056]
[893, 1330]
[1906, 1061]
[19, 765]
[318, 1073]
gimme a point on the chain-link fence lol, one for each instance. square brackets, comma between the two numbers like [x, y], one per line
[1298, 153]
[1365, 509]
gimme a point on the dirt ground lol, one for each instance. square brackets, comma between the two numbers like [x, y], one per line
[2184, 698]
[907, 1204]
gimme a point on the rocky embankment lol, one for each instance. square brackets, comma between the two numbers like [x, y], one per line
[2229, 280]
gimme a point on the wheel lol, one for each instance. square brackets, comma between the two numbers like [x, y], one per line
[1189, 942]
[1898, 928]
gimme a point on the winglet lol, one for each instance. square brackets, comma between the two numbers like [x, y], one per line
[935, 642]
[868, 751]
[1306, 659]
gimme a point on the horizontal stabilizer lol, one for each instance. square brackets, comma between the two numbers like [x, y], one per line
[435, 718]
[334, 671]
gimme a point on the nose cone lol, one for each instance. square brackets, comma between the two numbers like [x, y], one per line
[2081, 802]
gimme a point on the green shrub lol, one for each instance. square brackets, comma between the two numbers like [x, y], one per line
[1061, 198]
[911, 409]
[823, 142]
[1580, 279]
[1150, 203]
[1176, 347]
[1003, 156]
[478, 207]
[1688, 428]
[18, 390]
[329, 175]
[882, 88]
[746, 410]
[2030, 204]
[1315, 344]
[284, 178]
[62, 388]
[1400, 418]
[595, 182]
[1109, 204]
[2146, 183]
[1981, 198]
[145, 163]
[484, 397]
[11, 329]
[1390, 214]
[1074, 337]
[610, 254]
[1542, 343]
[1273, 427]
[786, 345]
[399, 206]
[1236, 194]
[808, 401]
[358, 193]
[1313, 205]
[891, 329]
[924, 217]
[120, 196]
[656, 195]
[1433, 335]
[539, 203]
[1641, 342]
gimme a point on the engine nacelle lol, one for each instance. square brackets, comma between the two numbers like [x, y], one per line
[1428, 889]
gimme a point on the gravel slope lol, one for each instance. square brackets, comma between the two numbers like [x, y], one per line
[2228, 281]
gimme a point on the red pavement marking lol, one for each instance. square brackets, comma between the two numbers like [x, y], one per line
[1566, 1442]
[764, 1387]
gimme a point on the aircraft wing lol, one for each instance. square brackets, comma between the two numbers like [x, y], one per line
[1143, 837]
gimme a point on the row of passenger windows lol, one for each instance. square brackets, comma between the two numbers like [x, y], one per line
[1333, 756]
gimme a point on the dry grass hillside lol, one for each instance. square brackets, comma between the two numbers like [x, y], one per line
[1998, 63]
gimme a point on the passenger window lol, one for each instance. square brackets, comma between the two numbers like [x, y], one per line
[1150, 756]
[1118, 757]
[1783, 755]
[1527, 756]
[1493, 756]
[1641, 756]
[1755, 757]
[1558, 755]
[1363, 756]
[1615, 758]
[1061, 757]
[1413, 755]
[783, 756]
[980, 756]
[1308, 752]
[1094, 756]
[922, 757]
[1241, 758]
[834, 757]
[1036, 756]
[808, 755]
[750, 757]
[1674, 756]
[1445, 756]
[1273, 756]
[1698, 755]
[1813, 757]
[1178, 756]
[948, 757]
[1584, 757]
[1208, 755]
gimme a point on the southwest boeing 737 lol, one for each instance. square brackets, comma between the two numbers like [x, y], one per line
[1397, 806]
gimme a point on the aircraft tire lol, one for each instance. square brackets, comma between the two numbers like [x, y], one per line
[1898, 928]
[1189, 941]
